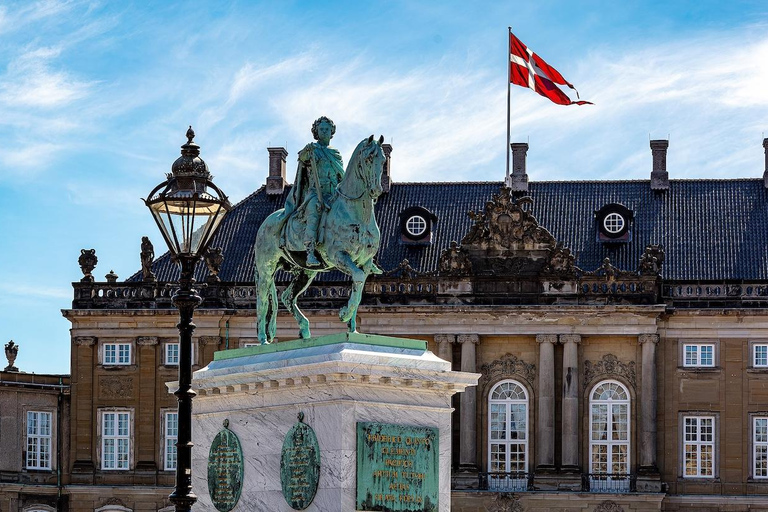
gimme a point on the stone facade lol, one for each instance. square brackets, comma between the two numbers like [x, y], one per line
[33, 480]
[555, 344]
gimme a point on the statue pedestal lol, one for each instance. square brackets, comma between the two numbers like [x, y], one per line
[380, 408]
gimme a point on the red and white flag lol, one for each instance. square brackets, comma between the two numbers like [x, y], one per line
[529, 70]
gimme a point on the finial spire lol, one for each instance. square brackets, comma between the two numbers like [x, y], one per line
[190, 134]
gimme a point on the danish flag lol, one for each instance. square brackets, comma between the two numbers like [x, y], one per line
[529, 70]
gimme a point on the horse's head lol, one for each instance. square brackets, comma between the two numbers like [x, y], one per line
[365, 167]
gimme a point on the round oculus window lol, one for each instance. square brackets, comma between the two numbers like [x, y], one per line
[614, 223]
[416, 225]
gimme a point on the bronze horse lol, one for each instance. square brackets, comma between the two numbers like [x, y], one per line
[349, 239]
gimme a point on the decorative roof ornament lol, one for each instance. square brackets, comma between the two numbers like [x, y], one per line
[651, 260]
[11, 351]
[454, 262]
[506, 223]
[189, 163]
[147, 256]
[213, 259]
[87, 261]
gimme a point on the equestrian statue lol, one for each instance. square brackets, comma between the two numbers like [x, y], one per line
[328, 223]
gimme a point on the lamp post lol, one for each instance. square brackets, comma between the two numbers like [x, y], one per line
[188, 208]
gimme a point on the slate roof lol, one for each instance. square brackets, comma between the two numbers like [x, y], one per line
[710, 229]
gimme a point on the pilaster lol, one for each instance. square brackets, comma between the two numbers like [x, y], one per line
[545, 426]
[83, 433]
[468, 407]
[444, 349]
[570, 415]
[146, 425]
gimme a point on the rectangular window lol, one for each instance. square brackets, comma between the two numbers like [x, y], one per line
[699, 447]
[696, 354]
[172, 353]
[171, 434]
[760, 447]
[117, 353]
[761, 355]
[38, 440]
[115, 440]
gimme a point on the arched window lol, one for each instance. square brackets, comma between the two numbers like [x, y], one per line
[508, 435]
[609, 436]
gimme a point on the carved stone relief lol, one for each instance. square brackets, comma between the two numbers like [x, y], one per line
[506, 502]
[609, 506]
[115, 387]
[607, 366]
[508, 366]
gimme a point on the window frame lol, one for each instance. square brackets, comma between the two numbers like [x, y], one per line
[753, 355]
[164, 449]
[50, 439]
[526, 441]
[754, 444]
[698, 365]
[609, 442]
[699, 415]
[169, 344]
[102, 438]
[116, 345]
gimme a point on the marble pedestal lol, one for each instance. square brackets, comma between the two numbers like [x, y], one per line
[336, 381]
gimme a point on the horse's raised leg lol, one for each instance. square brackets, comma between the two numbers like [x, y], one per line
[301, 281]
[348, 313]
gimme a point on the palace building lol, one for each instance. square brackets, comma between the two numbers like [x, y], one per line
[620, 328]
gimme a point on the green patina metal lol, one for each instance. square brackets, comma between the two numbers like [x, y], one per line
[330, 339]
[300, 465]
[397, 468]
[328, 223]
[225, 469]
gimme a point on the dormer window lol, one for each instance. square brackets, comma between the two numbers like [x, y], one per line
[416, 226]
[613, 223]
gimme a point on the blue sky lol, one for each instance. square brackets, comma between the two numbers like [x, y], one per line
[95, 98]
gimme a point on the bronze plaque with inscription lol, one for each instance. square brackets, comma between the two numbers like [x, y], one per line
[397, 468]
[225, 469]
[300, 465]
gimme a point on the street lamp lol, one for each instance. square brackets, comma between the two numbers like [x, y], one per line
[188, 208]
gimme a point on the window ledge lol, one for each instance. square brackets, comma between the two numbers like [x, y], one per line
[758, 481]
[700, 369]
[698, 480]
[118, 367]
[758, 370]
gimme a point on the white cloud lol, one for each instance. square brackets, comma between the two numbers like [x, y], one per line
[30, 81]
[27, 291]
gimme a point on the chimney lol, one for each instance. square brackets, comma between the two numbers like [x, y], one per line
[276, 179]
[659, 174]
[518, 180]
[386, 176]
[765, 173]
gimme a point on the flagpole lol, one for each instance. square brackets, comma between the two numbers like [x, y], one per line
[509, 71]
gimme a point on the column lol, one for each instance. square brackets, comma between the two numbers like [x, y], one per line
[468, 401]
[545, 425]
[83, 422]
[648, 403]
[444, 348]
[145, 424]
[570, 417]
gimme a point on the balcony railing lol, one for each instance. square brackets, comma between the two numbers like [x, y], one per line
[506, 482]
[608, 483]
